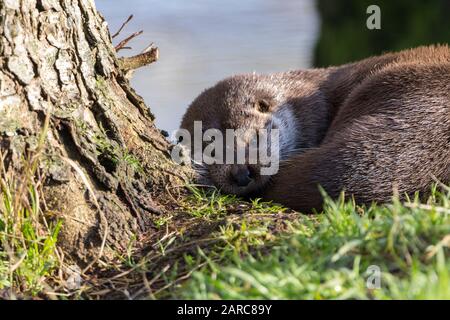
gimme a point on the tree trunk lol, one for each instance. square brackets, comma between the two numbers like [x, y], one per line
[108, 168]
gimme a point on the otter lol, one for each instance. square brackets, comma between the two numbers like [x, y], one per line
[373, 128]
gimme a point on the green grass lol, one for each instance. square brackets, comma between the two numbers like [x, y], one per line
[209, 203]
[27, 238]
[222, 247]
[327, 256]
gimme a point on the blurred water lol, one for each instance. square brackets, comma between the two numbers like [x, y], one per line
[203, 41]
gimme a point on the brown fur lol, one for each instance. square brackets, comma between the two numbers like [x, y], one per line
[370, 128]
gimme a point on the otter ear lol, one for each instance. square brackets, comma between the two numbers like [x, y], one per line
[262, 105]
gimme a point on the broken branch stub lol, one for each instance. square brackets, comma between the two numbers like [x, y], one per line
[140, 60]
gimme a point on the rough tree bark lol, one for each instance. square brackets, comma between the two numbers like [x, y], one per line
[108, 167]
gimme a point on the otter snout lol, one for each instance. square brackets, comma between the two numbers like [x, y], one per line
[239, 179]
[242, 176]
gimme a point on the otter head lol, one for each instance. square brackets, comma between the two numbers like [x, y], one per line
[248, 112]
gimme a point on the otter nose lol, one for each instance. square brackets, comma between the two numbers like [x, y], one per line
[241, 175]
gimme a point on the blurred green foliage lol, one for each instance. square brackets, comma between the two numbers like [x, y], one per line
[344, 36]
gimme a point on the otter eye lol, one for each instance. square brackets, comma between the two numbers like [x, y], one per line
[263, 106]
[180, 139]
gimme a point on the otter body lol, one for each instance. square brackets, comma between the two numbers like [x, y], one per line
[371, 128]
